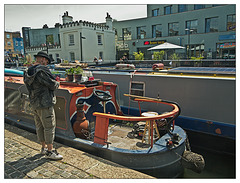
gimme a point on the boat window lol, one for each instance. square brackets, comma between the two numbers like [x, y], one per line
[137, 88]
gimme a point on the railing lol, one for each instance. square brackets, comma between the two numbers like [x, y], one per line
[38, 48]
[102, 119]
[172, 63]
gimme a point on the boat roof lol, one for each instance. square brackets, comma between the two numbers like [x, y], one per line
[72, 89]
[204, 70]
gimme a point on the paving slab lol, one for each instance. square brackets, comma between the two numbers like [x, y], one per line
[23, 161]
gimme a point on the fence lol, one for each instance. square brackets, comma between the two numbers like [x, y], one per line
[167, 63]
[174, 63]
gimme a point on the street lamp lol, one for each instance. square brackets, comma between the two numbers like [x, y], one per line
[46, 44]
[189, 31]
[81, 45]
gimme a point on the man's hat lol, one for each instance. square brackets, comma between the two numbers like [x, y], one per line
[43, 54]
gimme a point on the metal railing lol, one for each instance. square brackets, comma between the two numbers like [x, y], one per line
[172, 63]
[167, 63]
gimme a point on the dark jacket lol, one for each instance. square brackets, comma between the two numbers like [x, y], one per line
[41, 85]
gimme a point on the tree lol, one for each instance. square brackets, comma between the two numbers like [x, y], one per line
[138, 55]
[174, 56]
[158, 55]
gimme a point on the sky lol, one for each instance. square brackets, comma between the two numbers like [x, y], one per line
[17, 16]
[29, 14]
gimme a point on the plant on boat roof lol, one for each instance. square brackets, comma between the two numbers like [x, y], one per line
[69, 71]
[78, 70]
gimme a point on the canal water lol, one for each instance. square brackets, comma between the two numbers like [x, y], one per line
[217, 165]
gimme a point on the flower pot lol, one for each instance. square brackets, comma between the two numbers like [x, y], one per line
[69, 77]
[77, 77]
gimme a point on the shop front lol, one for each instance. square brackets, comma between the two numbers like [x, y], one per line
[226, 50]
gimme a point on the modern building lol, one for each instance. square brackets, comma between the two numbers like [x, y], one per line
[207, 31]
[73, 40]
[42, 39]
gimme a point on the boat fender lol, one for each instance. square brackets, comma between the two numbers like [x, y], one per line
[193, 161]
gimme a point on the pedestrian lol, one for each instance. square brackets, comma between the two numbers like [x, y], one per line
[100, 60]
[121, 61]
[125, 60]
[41, 85]
[95, 60]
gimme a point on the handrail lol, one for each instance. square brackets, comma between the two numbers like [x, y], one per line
[102, 119]
[140, 118]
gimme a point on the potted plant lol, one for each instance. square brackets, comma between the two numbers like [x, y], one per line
[77, 73]
[69, 74]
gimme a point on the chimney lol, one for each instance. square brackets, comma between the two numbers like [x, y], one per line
[109, 21]
[66, 18]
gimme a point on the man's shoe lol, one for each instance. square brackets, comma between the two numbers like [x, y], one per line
[54, 155]
[43, 151]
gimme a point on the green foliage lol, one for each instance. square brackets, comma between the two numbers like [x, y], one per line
[158, 55]
[78, 70]
[138, 56]
[197, 58]
[69, 71]
[65, 61]
[174, 56]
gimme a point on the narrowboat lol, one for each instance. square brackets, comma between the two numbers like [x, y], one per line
[89, 118]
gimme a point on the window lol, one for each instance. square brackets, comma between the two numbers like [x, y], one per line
[141, 32]
[49, 39]
[231, 22]
[72, 56]
[16, 43]
[167, 10]
[127, 35]
[8, 36]
[173, 29]
[192, 25]
[155, 12]
[9, 43]
[215, 5]
[137, 88]
[199, 6]
[211, 24]
[99, 39]
[71, 39]
[101, 54]
[182, 8]
[157, 31]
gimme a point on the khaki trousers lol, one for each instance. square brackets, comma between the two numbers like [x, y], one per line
[45, 123]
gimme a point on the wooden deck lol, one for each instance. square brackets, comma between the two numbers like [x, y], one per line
[117, 136]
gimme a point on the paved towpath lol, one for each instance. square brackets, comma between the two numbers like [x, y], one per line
[23, 161]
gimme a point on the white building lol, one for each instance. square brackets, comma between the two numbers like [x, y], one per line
[82, 40]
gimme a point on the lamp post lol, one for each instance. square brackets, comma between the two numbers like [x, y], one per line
[81, 45]
[189, 31]
[46, 44]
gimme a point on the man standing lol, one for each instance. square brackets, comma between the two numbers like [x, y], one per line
[41, 85]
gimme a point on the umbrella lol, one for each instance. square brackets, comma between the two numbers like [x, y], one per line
[166, 46]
